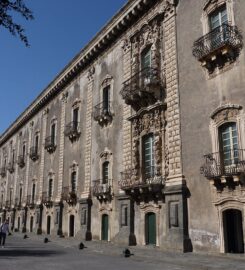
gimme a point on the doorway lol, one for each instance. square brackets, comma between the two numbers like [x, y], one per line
[18, 224]
[233, 231]
[105, 228]
[31, 224]
[72, 224]
[48, 224]
[150, 229]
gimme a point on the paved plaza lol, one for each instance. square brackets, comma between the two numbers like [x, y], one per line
[32, 253]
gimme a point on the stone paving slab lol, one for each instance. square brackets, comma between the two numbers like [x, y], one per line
[60, 253]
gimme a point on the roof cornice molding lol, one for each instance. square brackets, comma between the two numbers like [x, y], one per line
[125, 17]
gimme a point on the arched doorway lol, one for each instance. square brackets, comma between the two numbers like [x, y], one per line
[233, 231]
[150, 229]
[71, 226]
[31, 224]
[48, 224]
[105, 227]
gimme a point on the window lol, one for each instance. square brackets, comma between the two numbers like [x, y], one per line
[84, 216]
[73, 181]
[20, 195]
[218, 17]
[53, 133]
[229, 143]
[24, 150]
[146, 59]
[10, 195]
[36, 143]
[75, 117]
[106, 99]
[50, 188]
[33, 192]
[105, 172]
[148, 156]
[124, 215]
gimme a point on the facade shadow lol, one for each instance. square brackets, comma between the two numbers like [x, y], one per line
[27, 253]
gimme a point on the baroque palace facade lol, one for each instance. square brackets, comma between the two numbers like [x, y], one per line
[140, 139]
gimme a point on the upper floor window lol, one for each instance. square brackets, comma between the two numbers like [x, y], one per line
[73, 181]
[106, 99]
[36, 143]
[218, 17]
[33, 194]
[148, 156]
[50, 188]
[50, 141]
[20, 194]
[229, 143]
[146, 58]
[53, 133]
[105, 172]
[24, 150]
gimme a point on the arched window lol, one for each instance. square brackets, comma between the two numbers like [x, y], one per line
[73, 181]
[229, 143]
[105, 172]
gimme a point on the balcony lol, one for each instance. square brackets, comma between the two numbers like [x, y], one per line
[21, 161]
[47, 199]
[142, 89]
[151, 182]
[102, 114]
[18, 203]
[31, 201]
[8, 205]
[102, 191]
[69, 195]
[72, 130]
[224, 165]
[34, 153]
[10, 166]
[221, 45]
[50, 144]
[3, 171]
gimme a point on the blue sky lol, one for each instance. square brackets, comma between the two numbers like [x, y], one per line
[60, 30]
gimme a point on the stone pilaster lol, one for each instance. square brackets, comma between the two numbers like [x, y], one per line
[127, 140]
[17, 169]
[42, 154]
[87, 183]
[175, 176]
[28, 161]
[62, 145]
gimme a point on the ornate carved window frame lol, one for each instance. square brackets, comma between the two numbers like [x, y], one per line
[212, 5]
[74, 168]
[106, 156]
[108, 81]
[226, 114]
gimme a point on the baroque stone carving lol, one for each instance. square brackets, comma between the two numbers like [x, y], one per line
[226, 113]
[91, 72]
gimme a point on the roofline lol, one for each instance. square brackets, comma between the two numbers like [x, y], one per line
[119, 23]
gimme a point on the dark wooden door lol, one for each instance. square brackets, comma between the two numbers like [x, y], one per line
[72, 224]
[48, 224]
[150, 229]
[105, 227]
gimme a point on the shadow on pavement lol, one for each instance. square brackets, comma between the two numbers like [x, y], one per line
[27, 253]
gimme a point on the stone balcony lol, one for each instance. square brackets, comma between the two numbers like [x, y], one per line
[47, 199]
[103, 114]
[148, 184]
[69, 195]
[102, 191]
[224, 167]
[142, 89]
[21, 161]
[3, 171]
[50, 144]
[72, 130]
[218, 47]
[34, 153]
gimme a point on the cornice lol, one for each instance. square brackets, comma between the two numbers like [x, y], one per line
[129, 13]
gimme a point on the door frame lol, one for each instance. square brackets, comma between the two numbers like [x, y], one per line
[109, 231]
[147, 227]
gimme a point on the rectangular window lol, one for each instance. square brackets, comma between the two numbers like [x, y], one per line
[218, 17]
[36, 143]
[105, 172]
[50, 188]
[53, 133]
[84, 216]
[106, 99]
[148, 156]
[33, 192]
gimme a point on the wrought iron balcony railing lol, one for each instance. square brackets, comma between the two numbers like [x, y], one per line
[102, 191]
[50, 144]
[3, 171]
[21, 161]
[31, 201]
[103, 113]
[11, 166]
[69, 195]
[8, 204]
[222, 37]
[143, 88]
[226, 163]
[34, 153]
[149, 177]
[47, 199]
[72, 130]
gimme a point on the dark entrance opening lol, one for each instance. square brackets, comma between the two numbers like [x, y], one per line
[72, 224]
[150, 229]
[18, 225]
[31, 224]
[104, 227]
[233, 231]
[48, 224]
